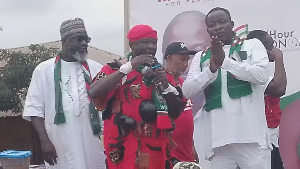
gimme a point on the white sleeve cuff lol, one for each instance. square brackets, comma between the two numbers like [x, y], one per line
[226, 63]
[208, 72]
[126, 68]
[169, 89]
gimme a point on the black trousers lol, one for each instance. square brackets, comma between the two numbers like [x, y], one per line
[276, 162]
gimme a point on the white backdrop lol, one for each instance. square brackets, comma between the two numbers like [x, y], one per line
[278, 17]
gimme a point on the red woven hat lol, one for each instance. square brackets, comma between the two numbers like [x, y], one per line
[139, 32]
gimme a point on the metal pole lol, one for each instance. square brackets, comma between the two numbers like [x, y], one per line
[126, 26]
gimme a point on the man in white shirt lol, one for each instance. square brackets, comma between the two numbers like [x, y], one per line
[231, 72]
[59, 106]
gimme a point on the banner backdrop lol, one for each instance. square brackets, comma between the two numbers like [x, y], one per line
[184, 20]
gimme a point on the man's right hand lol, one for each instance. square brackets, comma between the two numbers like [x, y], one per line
[217, 50]
[49, 152]
[213, 66]
[147, 59]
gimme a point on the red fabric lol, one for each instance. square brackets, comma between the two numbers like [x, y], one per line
[183, 133]
[139, 32]
[130, 107]
[157, 158]
[183, 137]
[273, 111]
[163, 120]
[290, 135]
[100, 103]
[87, 84]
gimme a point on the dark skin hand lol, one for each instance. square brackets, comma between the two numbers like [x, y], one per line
[160, 77]
[147, 59]
[213, 65]
[175, 105]
[48, 149]
[149, 73]
[277, 86]
[102, 87]
[218, 54]
[49, 152]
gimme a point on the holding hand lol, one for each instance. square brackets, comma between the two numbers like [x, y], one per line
[149, 73]
[147, 59]
[160, 77]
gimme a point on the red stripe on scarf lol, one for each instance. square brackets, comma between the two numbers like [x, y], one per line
[57, 58]
[86, 83]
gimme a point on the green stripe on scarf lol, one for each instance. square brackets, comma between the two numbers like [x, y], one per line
[235, 88]
[60, 116]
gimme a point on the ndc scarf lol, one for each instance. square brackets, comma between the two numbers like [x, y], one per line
[60, 116]
[236, 88]
[163, 119]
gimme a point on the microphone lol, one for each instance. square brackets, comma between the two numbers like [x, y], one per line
[156, 65]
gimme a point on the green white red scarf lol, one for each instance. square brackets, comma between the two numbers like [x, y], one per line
[236, 88]
[60, 116]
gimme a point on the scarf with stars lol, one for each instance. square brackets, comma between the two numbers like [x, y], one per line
[60, 116]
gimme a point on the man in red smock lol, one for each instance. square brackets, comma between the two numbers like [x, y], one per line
[139, 106]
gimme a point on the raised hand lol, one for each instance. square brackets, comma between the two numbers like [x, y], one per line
[275, 54]
[214, 66]
[217, 50]
[146, 59]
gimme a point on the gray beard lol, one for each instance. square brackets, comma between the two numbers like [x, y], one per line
[80, 57]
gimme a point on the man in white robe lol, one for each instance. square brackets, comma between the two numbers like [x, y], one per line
[72, 144]
[231, 73]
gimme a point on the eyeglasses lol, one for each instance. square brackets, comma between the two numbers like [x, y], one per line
[82, 38]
